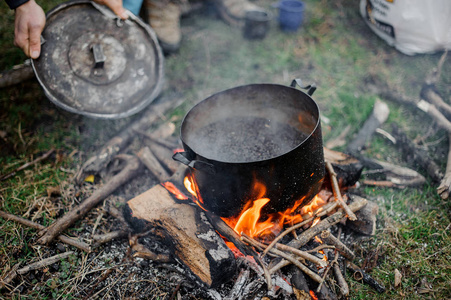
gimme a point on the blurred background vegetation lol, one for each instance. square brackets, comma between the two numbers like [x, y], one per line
[334, 49]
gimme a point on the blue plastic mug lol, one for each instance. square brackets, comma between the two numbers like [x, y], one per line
[291, 14]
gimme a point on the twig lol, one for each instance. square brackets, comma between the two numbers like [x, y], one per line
[303, 254]
[100, 239]
[337, 193]
[344, 287]
[282, 254]
[310, 233]
[129, 171]
[42, 157]
[44, 262]
[66, 240]
[330, 239]
[12, 274]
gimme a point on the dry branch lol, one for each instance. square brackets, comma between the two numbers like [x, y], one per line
[45, 262]
[130, 169]
[330, 239]
[396, 176]
[64, 239]
[42, 157]
[151, 162]
[377, 117]
[344, 287]
[100, 239]
[16, 75]
[389, 93]
[317, 214]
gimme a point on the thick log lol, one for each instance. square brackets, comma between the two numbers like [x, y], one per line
[187, 231]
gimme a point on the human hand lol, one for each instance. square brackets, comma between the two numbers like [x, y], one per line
[28, 25]
[115, 6]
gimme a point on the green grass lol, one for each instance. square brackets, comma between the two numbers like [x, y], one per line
[333, 49]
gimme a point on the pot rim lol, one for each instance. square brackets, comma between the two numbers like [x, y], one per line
[185, 144]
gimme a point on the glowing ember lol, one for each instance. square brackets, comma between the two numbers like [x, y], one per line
[174, 190]
[312, 294]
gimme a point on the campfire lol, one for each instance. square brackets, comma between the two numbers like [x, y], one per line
[297, 251]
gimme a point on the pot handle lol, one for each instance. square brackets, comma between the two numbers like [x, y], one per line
[195, 164]
[311, 88]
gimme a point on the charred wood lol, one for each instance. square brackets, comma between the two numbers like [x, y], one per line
[415, 155]
[360, 275]
[348, 168]
[187, 231]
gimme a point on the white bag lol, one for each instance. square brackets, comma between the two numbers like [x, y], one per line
[411, 26]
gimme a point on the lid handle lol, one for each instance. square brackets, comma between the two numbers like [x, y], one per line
[99, 56]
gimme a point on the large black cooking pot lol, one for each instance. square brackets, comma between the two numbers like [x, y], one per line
[258, 133]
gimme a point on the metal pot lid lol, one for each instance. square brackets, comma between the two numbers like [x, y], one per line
[94, 64]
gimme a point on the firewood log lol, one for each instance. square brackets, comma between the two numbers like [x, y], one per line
[187, 233]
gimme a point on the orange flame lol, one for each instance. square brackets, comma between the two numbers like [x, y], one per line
[249, 221]
[174, 190]
[313, 295]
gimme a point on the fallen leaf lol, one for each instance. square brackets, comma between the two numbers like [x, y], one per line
[398, 277]
[89, 178]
